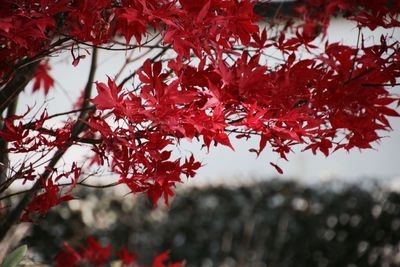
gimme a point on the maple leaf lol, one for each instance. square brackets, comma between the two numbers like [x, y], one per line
[108, 96]
[159, 261]
[46, 200]
[10, 132]
[193, 6]
[278, 169]
[125, 256]
[95, 253]
[68, 258]
[190, 166]
[131, 22]
[5, 24]
[42, 79]
[223, 139]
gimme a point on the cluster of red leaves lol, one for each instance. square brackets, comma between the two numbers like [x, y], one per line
[28, 27]
[49, 198]
[32, 136]
[371, 14]
[137, 141]
[94, 254]
[50, 194]
[217, 84]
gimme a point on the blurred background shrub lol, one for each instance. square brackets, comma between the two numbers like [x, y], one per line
[270, 223]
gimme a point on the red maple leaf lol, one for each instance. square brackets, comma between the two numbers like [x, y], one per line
[44, 201]
[125, 256]
[42, 79]
[159, 261]
[95, 253]
[108, 95]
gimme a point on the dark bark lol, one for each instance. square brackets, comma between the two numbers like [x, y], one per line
[17, 84]
[270, 10]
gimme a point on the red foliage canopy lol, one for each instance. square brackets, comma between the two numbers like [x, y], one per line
[219, 80]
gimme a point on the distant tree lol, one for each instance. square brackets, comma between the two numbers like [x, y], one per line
[221, 79]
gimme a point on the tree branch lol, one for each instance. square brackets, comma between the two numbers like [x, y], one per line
[3, 144]
[24, 71]
[153, 59]
[65, 184]
[13, 88]
[355, 55]
[379, 85]
[14, 215]
[79, 125]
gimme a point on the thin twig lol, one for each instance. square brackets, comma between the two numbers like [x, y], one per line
[379, 85]
[14, 215]
[359, 76]
[3, 144]
[355, 55]
[153, 59]
[31, 125]
[16, 85]
[27, 61]
[61, 185]
[126, 48]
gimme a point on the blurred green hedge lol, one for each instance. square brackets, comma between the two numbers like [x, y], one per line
[274, 223]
